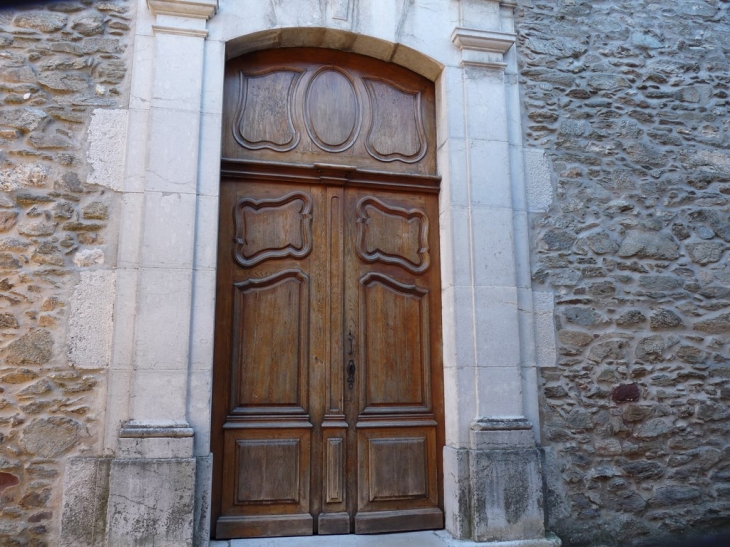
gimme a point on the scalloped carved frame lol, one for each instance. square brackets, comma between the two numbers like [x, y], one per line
[243, 97]
[284, 252]
[417, 115]
[380, 255]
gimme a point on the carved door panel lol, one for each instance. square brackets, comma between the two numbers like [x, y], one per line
[269, 294]
[327, 395]
[392, 305]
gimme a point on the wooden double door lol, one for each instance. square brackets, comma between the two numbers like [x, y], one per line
[328, 413]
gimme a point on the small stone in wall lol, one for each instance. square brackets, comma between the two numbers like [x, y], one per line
[45, 142]
[19, 376]
[50, 437]
[25, 119]
[82, 226]
[582, 316]
[642, 470]
[51, 303]
[710, 411]
[652, 429]
[703, 232]
[8, 321]
[716, 325]
[38, 517]
[89, 257]
[96, 211]
[69, 182]
[88, 25]
[602, 244]
[674, 495]
[660, 282]
[665, 319]
[637, 413]
[31, 174]
[631, 317]
[558, 240]
[65, 7]
[602, 289]
[35, 229]
[45, 22]
[649, 245]
[110, 6]
[8, 480]
[8, 261]
[7, 220]
[41, 387]
[34, 348]
[612, 349]
[555, 392]
[575, 337]
[36, 499]
[626, 393]
[705, 252]
[650, 348]
[62, 81]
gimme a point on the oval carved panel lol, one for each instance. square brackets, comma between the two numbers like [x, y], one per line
[273, 228]
[332, 110]
[376, 224]
[396, 128]
[264, 118]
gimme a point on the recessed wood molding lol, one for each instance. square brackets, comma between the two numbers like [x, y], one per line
[203, 9]
[273, 228]
[376, 221]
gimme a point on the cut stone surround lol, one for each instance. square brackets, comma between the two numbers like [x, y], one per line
[160, 378]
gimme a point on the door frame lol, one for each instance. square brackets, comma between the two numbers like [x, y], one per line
[160, 378]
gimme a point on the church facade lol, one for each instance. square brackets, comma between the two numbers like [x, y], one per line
[349, 266]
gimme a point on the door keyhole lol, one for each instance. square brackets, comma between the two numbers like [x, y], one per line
[350, 374]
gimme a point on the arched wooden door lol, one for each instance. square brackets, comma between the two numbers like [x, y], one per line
[328, 396]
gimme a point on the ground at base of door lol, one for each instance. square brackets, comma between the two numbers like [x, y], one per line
[439, 538]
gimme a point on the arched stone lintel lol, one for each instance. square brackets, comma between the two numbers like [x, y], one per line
[342, 40]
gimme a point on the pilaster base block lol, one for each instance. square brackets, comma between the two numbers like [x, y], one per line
[151, 502]
[493, 489]
[506, 494]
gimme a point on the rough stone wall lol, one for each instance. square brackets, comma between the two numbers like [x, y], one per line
[629, 100]
[58, 63]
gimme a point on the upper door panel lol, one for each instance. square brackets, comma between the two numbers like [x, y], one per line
[300, 106]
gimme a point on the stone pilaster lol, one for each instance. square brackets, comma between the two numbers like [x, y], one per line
[492, 466]
[152, 479]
